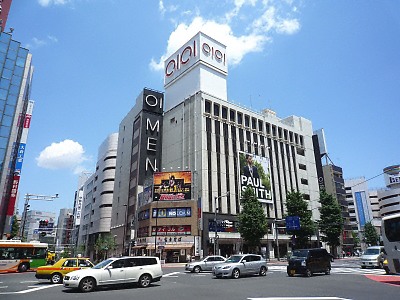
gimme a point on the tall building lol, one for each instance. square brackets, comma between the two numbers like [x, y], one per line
[98, 193]
[15, 116]
[4, 10]
[139, 156]
[389, 198]
[64, 229]
[330, 178]
[39, 225]
[204, 141]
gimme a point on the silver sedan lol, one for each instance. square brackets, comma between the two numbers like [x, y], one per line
[206, 264]
[243, 264]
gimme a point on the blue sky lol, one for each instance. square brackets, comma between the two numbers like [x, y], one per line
[334, 62]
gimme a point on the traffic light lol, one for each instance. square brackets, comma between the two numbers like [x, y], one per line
[133, 243]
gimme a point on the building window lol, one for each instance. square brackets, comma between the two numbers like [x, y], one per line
[216, 110]
[253, 123]
[246, 120]
[232, 115]
[207, 107]
[240, 118]
[302, 167]
[304, 181]
[268, 128]
[306, 196]
[260, 126]
[224, 112]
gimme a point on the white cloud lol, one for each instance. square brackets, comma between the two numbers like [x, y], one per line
[46, 3]
[67, 154]
[244, 27]
[37, 43]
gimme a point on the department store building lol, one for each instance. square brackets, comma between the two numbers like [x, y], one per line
[203, 133]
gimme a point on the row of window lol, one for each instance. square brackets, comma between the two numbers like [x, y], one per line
[251, 122]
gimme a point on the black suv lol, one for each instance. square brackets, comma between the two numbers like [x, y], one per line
[309, 261]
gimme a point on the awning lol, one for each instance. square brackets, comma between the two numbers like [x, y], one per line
[139, 247]
[172, 246]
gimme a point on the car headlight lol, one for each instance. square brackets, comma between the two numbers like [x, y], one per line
[226, 267]
[303, 263]
[74, 277]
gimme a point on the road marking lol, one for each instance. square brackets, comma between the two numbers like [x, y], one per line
[171, 274]
[4, 287]
[28, 281]
[299, 298]
[30, 290]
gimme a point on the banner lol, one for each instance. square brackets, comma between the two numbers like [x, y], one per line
[255, 172]
[172, 186]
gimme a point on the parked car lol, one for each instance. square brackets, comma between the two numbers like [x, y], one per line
[309, 261]
[206, 264]
[243, 264]
[373, 257]
[56, 272]
[131, 269]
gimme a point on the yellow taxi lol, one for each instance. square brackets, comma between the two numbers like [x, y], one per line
[55, 273]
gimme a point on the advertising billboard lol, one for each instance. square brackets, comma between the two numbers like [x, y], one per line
[255, 172]
[392, 176]
[172, 185]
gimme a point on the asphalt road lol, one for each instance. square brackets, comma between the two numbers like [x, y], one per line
[347, 281]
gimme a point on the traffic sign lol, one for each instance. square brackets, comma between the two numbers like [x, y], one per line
[292, 223]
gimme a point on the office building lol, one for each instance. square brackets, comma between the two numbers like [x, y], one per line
[389, 198]
[15, 116]
[4, 10]
[98, 192]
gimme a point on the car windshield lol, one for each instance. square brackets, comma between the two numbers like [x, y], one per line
[372, 252]
[299, 253]
[234, 259]
[103, 264]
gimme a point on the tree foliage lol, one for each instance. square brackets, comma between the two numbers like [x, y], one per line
[297, 206]
[370, 235]
[252, 220]
[103, 245]
[331, 222]
[14, 227]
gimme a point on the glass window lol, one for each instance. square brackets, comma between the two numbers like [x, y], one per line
[3, 47]
[216, 110]
[9, 64]
[20, 62]
[14, 89]
[5, 83]
[208, 107]
[12, 54]
[23, 52]
[19, 71]
[2, 56]
[232, 115]
[246, 120]
[16, 80]
[12, 100]
[7, 73]
[5, 38]
[14, 45]
[5, 130]
[7, 120]
[240, 118]
[3, 94]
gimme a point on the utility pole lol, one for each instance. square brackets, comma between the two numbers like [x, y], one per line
[29, 197]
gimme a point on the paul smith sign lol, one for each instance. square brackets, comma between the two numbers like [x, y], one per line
[200, 48]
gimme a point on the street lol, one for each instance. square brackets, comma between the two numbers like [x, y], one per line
[347, 281]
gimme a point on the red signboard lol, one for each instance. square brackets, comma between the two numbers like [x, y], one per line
[13, 196]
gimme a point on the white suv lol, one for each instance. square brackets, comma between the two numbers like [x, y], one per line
[131, 269]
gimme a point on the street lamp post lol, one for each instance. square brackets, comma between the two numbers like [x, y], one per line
[29, 197]
[215, 221]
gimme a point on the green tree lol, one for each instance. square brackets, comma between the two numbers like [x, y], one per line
[356, 239]
[252, 220]
[331, 222]
[14, 227]
[297, 206]
[103, 245]
[370, 235]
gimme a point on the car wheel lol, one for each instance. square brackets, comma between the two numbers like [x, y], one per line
[56, 278]
[308, 273]
[327, 271]
[87, 284]
[197, 269]
[290, 274]
[263, 271]
[235, 273]
[144, 280]
[23, 268]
